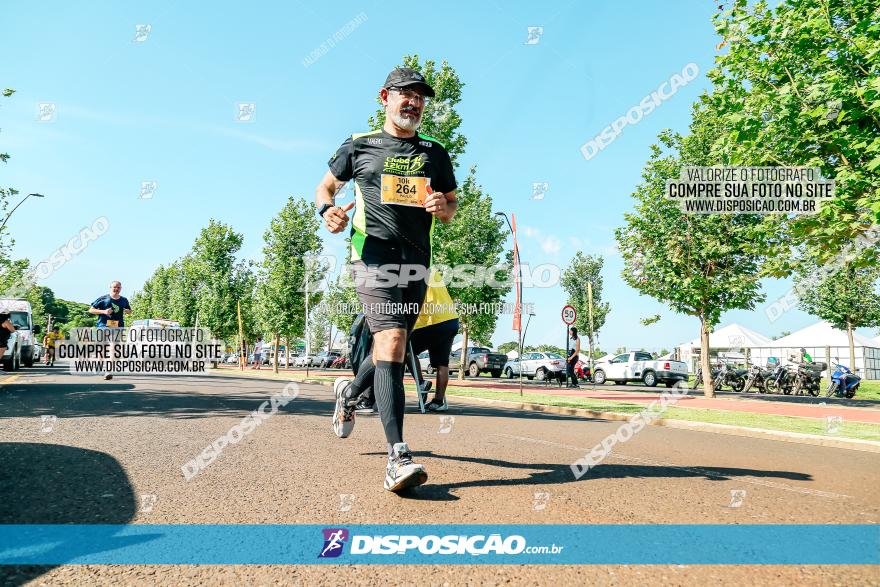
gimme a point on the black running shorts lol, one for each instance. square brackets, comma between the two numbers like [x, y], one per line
[387, 301]
[437, 340]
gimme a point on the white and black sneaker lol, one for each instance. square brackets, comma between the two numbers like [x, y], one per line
[343, 416]
[401, 473]
[365, 408]
[435, 406]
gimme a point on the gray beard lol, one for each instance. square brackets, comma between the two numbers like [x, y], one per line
[409, 124]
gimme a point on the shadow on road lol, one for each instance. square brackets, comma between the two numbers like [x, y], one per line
[555, 473]
[54, 484]
[189, 397]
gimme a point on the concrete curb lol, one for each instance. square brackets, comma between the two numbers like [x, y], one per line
[796, 437]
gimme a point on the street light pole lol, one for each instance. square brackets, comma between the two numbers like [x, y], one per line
[519, 297]
[522, 340]
[17, 205]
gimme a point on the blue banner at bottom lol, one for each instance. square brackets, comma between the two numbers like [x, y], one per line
[710, 544]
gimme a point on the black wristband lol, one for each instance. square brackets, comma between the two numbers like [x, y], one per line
[323, 209]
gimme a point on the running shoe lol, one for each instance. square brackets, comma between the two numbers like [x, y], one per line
[365, 408]
[343, 417]
[401, 472]
[435, 406]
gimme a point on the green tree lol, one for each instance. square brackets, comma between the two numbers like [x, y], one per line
[506, 347]
[17, 281]
[5, 194]
[291, 239]
[799, 85]
[219, 280]
[545, 348]
[320, 327]
[699, 265]
[849, 299]
[341, 300]
[585, 269]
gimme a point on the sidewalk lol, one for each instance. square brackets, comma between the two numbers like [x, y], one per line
[754, 406]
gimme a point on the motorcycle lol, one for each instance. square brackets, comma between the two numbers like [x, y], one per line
[808, 377]
[731, 376]
[844, 383]
[782, 380]
[582, 371]
[339, 363]
[698, 377]
[756, 378]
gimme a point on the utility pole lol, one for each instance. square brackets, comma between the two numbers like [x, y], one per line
[308, 343]
[590, 314]
[242, 348]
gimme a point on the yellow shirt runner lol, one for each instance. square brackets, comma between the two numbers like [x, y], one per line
[438, 306]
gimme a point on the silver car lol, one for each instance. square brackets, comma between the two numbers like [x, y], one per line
[536, 365]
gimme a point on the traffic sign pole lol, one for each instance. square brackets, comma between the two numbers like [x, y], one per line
[569, 315]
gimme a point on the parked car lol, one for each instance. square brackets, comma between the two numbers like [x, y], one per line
[640, 366]
[480, 360]
[425, 362]
[38, 352]
[536, 365]
[324, 358]
[232, 358]
[305, 361]
[20, 314]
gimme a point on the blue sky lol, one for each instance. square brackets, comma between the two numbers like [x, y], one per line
[164, 110]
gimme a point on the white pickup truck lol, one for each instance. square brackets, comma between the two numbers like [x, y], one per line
[640, 366]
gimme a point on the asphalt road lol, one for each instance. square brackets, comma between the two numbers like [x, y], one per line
[113, 452]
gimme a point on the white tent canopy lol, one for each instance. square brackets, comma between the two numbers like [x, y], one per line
[820, 334]
[732, 336]
[824, 343]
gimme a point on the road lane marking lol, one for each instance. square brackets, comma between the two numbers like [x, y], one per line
[10, 379]
[698, 470]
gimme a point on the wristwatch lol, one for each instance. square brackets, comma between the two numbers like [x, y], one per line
[324, 208]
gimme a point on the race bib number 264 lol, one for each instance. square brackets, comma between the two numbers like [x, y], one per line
[404, 191]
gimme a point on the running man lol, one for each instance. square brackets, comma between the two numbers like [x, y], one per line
[49, 342]
[111, 309]
[403, 181]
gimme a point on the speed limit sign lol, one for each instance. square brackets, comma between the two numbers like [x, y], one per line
[569, 315]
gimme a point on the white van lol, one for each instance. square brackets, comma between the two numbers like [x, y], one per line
[21, 349]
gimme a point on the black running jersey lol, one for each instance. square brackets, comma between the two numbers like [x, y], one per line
[392, 176]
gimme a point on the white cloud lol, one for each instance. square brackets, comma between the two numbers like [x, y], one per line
[271, 143]
[551, 245]
[530, 231]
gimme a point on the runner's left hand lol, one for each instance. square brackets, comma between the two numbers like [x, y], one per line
[435, 203]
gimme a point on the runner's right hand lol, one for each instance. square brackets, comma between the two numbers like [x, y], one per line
[336, 219]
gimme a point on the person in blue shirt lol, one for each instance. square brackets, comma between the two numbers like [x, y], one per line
[111, 309]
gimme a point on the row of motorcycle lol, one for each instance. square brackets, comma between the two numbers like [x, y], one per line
[794, 378]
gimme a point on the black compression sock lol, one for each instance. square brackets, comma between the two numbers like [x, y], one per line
[390, 399]
[363, 382]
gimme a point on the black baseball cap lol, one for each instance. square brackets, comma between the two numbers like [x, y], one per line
[404, 77]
